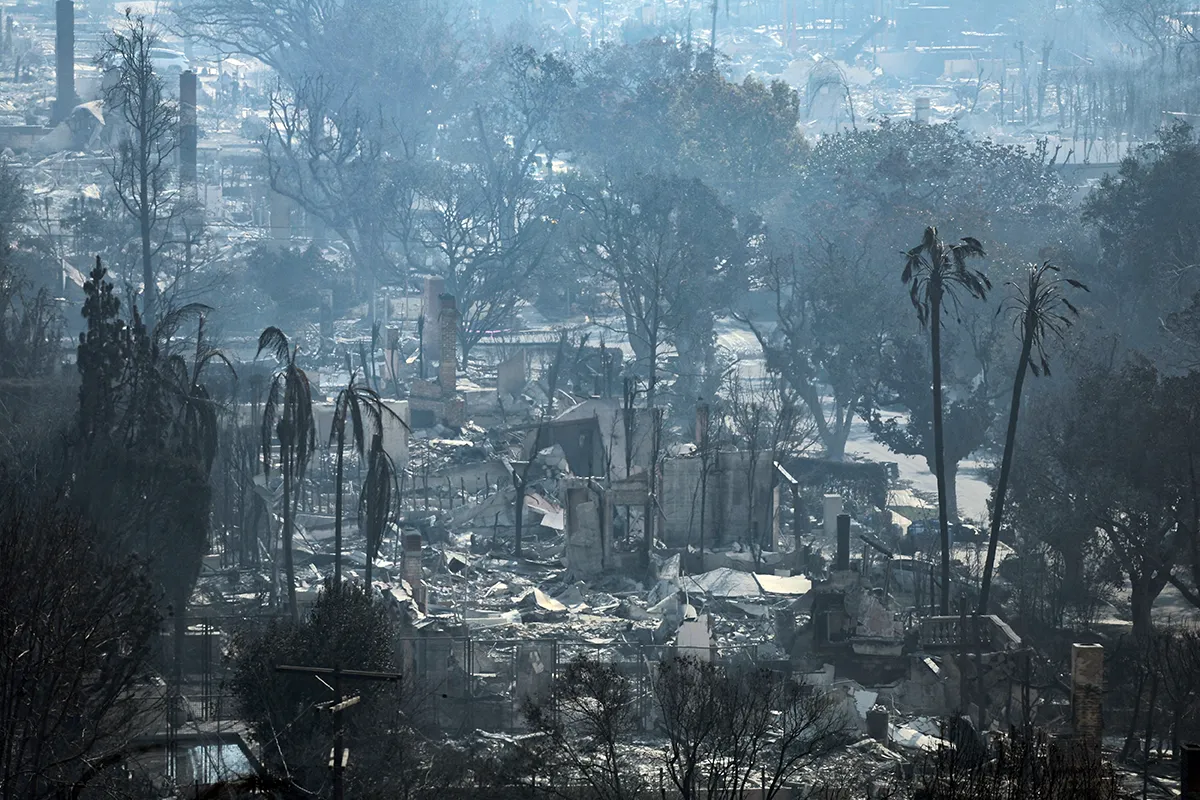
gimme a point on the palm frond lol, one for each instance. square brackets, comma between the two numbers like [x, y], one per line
[170, 322]
[270, 408]
[974, 246]
[304, 433]
[356, 418]
[929, 239]
[1041, 311]
[276, 341]
[378, 497]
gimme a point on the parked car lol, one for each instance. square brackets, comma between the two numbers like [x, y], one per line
[924, 535]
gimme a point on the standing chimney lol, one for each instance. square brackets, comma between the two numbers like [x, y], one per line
[187, 133]
[701, 424]
[411, 569]
[1087, 683]
[280, 211]
[448, 366]
[921, 110]
[325, 320]
[434, 288]
[843, 543]
[832, 508]
[878, 718]
[64, 57]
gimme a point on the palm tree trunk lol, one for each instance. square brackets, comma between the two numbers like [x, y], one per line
[1010, 438]
[286, 533]
[952, 493]
[939, 453]
[337, 508]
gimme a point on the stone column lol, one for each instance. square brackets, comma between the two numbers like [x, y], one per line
[1087, 685]
[64, 59]
[448, 365]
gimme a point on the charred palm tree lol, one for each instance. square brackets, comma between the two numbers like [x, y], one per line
[197, 422]
[288, 418]
[196, 433]
[379, 501]
[1040, 312]
[936, 274]
[363, 408]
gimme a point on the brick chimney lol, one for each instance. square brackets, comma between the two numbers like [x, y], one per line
[187, 133]
[431, 312]
[448, 365]
[701, 424]
[1087, 686]
[411, 569]
[65, 99]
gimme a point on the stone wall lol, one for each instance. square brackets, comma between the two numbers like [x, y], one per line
[726, 497]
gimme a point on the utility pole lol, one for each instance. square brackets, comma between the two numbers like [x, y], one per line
[337, 761]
